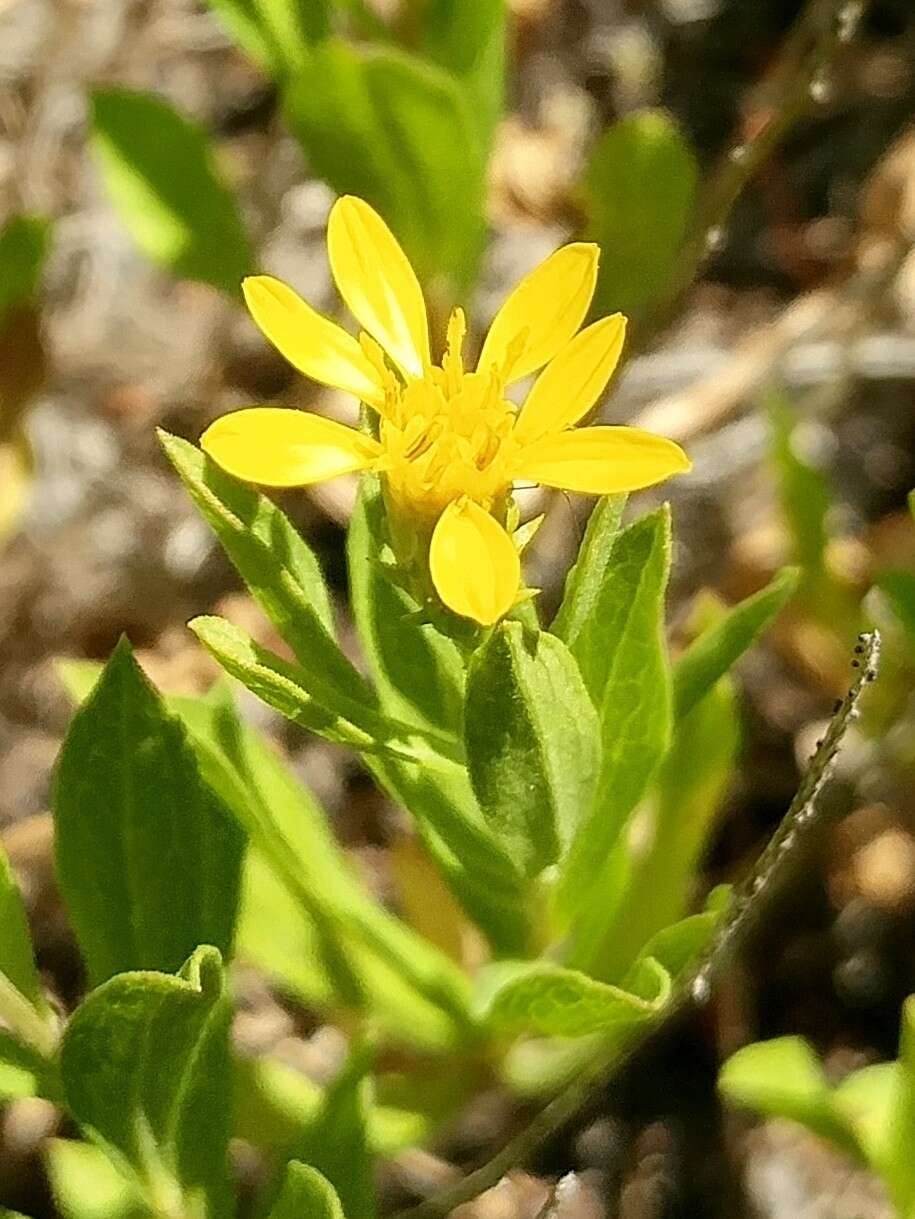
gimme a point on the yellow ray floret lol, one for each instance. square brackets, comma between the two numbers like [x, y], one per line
[450, 444]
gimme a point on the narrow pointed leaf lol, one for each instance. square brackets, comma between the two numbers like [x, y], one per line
[418, 672]
[286, 688]
[586, 576]
[622, 655]
[467, 37]
[717, 649]
[278, 567]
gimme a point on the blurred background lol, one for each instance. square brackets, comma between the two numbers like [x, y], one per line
[748, 167]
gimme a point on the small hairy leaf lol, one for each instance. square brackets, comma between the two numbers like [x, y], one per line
[148, 857]
[144, 1063]
[162, 178]
[539, 997]
[532, 742]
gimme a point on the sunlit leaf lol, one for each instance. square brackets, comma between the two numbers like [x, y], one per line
[162, 177]
[639, 189]
[148, 856]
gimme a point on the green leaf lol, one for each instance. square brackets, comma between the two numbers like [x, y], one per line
[532, 743]
[676, 946]
[482, 876]
[275, 33]
[713, 653]
[306, 1194]
[159, 169]
[338, 1144]
[622, 656]
[467, 37]
[15, 1081]
[400, 133]
[804, 493]
[284, 686]
[275, 563]
[901, 1122]
[420, 678]
[784, 1078]
[418, 672]
[86, 1185]
[26, 1069]
[305, 916]
[898, 586]
[586, 577]
[17, 960]
[655, 886]
[865, 1100]
[639, 191]
[148, 857]
[23, 248]
[276, 1108]
[539, 997]
[144, 1063]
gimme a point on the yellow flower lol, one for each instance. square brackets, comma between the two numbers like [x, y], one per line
[450, 446]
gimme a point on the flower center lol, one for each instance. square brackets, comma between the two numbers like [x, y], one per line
[448, 435]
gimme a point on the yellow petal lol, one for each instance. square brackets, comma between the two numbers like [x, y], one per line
[542, 313]
[378, 284]
[474, 563]
[311, 343]
[601, 460]
[284, 448]
[573, 380]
